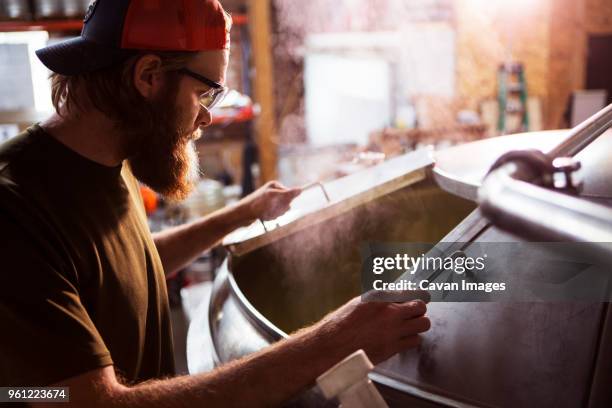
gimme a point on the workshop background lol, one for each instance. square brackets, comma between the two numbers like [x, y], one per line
[324, 89]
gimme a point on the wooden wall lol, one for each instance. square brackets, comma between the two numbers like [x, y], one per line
[599, 16]
[572, 21]
[567, 57]
[487, 32]
[548, 36]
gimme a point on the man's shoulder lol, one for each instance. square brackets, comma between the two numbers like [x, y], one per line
[19, 153]
[11, 157]
[20, 178]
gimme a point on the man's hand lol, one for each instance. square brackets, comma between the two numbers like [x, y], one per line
[381, 329]
[182, 244]
[267, 202]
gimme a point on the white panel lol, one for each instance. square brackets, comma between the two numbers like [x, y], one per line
[16, 92]
[347, 97]
[27, 87]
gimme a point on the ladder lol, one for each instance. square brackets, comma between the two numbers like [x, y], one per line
[512, 98]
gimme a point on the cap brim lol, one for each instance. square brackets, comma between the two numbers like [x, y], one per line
[79, 55]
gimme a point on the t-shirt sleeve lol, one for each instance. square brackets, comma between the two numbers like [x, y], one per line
[46, 333]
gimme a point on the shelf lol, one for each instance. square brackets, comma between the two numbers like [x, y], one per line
[239, 19]
[42, 25]
[220, 117]
[245, 114]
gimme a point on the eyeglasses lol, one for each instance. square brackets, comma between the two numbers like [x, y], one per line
[214, 95]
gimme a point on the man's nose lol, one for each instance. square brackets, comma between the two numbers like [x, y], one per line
[204, 117]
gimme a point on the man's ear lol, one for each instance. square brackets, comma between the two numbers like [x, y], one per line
[148, 76]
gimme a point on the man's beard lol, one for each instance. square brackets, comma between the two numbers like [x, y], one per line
[161, 153]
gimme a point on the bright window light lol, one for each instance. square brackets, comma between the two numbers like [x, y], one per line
[25, 73]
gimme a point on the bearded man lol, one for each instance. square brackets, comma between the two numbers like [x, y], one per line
[83, 300]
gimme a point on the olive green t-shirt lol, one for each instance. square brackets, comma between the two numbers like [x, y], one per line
[81, 283]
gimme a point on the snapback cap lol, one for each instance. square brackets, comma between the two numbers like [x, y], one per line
[115, 29]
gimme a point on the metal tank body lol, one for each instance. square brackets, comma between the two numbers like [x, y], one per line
[476, 354]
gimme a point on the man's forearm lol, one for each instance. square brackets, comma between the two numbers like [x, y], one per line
[180, 245]
[271, 376]
[267, 378]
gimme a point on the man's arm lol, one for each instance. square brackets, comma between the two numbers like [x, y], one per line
[180, 245]
[273, 375]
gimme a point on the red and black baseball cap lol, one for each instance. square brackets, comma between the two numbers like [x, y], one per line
[113, 30]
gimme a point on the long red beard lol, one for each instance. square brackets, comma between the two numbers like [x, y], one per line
[163, 155]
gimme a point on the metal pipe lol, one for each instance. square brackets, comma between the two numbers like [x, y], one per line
[584, 133]
[510, 199]
[537, 213]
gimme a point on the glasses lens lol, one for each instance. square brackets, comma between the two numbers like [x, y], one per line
[207, 99]
[212, 97]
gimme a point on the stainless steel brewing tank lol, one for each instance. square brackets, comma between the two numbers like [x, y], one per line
[293, 274]
[476, 354]
[544, 354]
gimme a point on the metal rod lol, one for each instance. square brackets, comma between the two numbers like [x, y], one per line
[263, 224]
[317, 183]
[305, 187]
[584, 133]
